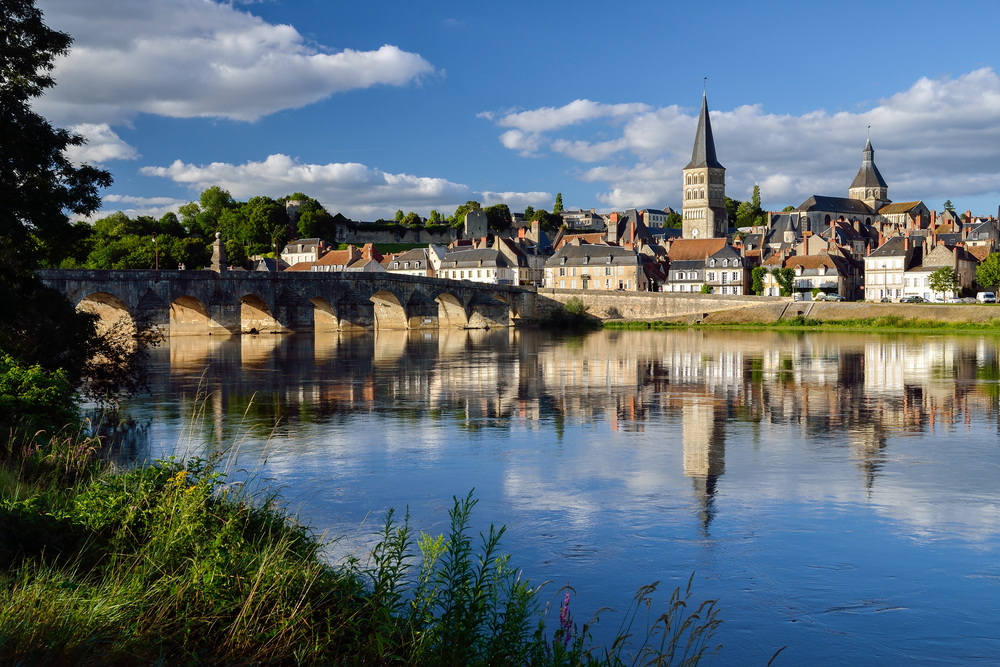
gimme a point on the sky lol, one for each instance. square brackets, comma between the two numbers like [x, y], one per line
[378, 106]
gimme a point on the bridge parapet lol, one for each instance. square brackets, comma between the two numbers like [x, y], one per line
[189, 302]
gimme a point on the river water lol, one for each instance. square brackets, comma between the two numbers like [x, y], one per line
[838, 493]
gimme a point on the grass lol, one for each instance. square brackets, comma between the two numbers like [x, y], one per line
[882, 323]
[173, 563]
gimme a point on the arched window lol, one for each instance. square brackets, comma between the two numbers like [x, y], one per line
[703, 193]
[702, 179]
[687, 180]
[725, 262]
[827, 220]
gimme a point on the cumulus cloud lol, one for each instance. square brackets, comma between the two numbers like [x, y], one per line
[938, 139]
[353, 189]
[103, 144]
[552, 118]
[135, 206]
[199, 58]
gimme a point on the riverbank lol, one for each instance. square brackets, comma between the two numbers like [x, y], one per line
[176, 563]
[837, 316]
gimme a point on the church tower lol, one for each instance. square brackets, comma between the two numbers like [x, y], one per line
[868, 185]
[704, 210]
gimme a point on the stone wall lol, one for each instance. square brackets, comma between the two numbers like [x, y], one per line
[649, 305]
[360, 236]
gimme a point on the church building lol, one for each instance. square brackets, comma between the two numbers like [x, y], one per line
[704, 211]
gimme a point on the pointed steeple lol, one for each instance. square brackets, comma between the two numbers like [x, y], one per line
[868, 175]
[703, 154]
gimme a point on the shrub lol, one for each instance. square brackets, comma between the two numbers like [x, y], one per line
[32, 398]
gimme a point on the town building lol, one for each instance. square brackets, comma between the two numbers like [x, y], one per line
[595, 266]
[415, 262]
[704, 212]
[886, 267]
[304, 250]
[726, 272]
[578, 219]
[478, 265]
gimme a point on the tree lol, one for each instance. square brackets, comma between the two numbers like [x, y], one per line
[458, 217]
[498, 217]
[744, 215]
[674, 221]
[944, 280]
[434, 218]
[757, 280]
[412, 220]
[706, 289]
[732, 206]
[558, 206]
[785, 279]
[399, 216]
[38, 186]
[948, 206]
[755, 199]
[988, 271]
[787, 209]
[529, 213]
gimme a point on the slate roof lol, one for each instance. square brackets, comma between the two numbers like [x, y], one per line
[578, 255]
[703, 154]
[894, 247]
[481, 257]
[835, 204]
[868, 175]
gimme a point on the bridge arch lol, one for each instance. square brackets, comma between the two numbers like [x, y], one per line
[256, 316]
[111, 310]
[324, 315]
[190, 317]
[389, 311]
[451, 311]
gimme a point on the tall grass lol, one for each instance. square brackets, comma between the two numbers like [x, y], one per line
[173, 563]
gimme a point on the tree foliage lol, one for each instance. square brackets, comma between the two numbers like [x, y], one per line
[988, 271]
[785, 279]
[558, 206]
[757, 280]
[674, 221]
[498, 217]
[944, 280]
[458, 217]
[948, 206]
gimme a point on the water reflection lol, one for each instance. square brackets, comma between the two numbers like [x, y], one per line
[803, 474]
[843, 390]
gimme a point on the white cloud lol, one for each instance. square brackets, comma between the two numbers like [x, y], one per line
[103, 144]
[516, 201]
[353, 189]
[939, 139]
[547, 119]
[135, 206]
[199, 58]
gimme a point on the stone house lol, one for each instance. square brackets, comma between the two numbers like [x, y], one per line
[885, 267]
[726, 272]
[478, 265]
[595, 266]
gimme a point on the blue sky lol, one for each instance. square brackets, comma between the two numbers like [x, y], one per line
[370, 107]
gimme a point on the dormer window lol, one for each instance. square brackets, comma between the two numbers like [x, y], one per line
[711, 262]
[610, 257]
[395, 265]
[798, 270]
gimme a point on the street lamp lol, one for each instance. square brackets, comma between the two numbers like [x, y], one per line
[156, 255]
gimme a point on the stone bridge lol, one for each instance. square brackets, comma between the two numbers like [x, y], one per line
[233, 302]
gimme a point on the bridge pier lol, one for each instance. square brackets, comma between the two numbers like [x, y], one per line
[182, 303]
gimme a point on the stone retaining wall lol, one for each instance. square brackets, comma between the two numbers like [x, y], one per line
[650, 305]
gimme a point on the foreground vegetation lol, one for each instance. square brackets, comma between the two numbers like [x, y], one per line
[172, 563]
[882, 323]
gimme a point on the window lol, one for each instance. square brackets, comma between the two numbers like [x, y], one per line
[573, 271]
[406, 265]
[562, 284]
[711, 275]
[562, 270]
[907, 282]
[607, 270]
[395, 265]
[725, 262]
[461, 274]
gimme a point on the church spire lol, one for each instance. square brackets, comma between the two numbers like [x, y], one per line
[703, 154]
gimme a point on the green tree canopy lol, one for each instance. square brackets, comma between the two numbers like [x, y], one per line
[674, 221]
[944, 280]
[458, 217]
[988, 271]
[529, 213]
[744, 214]
[558, 206]
[757, 279]
[948, 206]
[434, 218]
[787, 209]
[498, 217]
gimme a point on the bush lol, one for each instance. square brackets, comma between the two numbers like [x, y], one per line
[706, 289]
[571, 315]
[32, 398]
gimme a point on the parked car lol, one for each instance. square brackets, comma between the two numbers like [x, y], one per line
[834, 297]
[913, 299]
[885, 299]
[953, 299]
[986, 297]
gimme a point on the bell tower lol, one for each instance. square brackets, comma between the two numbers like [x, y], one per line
[704, 209]
[868, 185]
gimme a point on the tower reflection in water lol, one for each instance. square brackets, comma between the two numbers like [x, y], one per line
[853, 392]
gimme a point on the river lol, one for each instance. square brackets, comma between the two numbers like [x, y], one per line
[838, 493]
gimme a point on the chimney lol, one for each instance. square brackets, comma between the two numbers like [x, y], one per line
[520, 233]
[881, 239]
[906, 242]
[632, 225]
[968, 216]
[920, 221]
[536, 231]
[933, 219]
